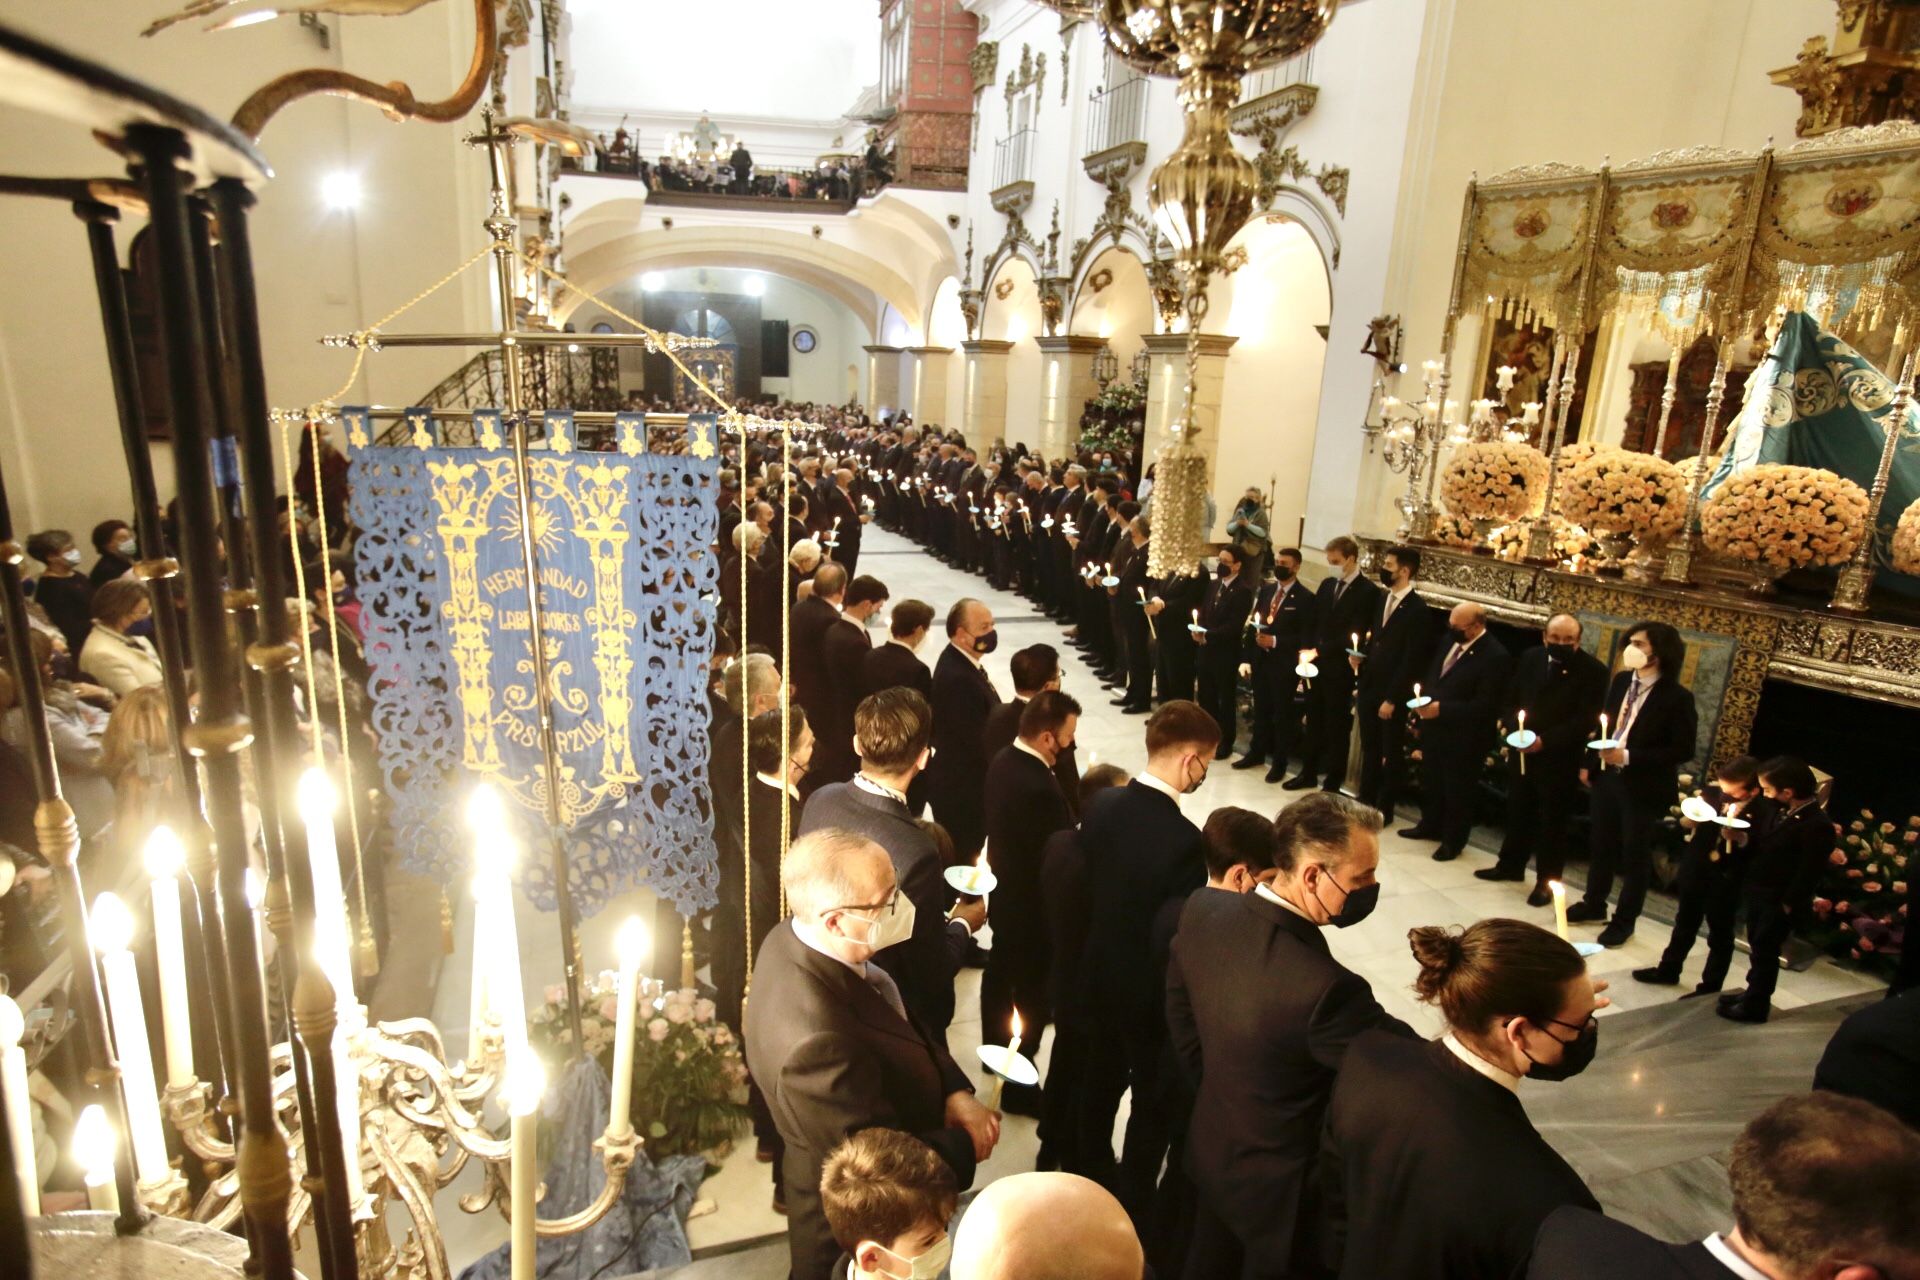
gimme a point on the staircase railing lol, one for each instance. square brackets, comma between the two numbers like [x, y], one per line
[550, 378]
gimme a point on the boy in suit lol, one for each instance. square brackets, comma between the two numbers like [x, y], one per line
[1710, 877]
[1782, 869]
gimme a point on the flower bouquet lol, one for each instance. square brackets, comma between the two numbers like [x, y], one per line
[1779, 517]
[1572, 545]
[1621, 496]
[1860, 909]
[1452, 531]
[1491, 482]
[689, 1079]
[1906, 540]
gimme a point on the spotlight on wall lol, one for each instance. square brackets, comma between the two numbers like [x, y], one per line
[340, 190]
[652, 281]
[756, 286]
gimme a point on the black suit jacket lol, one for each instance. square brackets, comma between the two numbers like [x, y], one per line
[1003, 726]
[1432, 1171]
[1025, 807]
[1223, 612]
[1396, 649]
[963, 698]
[1783, 865]
[1291, 625]
[1261, 1014]
[839, 503]
[1341, 616]
[844, 650]
[1562, 701]
[925, 963]
[1469, 696]
[1064, 898]
[1580, 1244]
[1147, 852]
[832, 1057]
[1875, 1055]
[889, 666]
[1659, 741]
[807, 635]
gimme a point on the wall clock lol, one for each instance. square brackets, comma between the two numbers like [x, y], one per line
[805, 340]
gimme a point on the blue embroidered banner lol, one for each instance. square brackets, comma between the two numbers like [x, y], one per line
[622, 544]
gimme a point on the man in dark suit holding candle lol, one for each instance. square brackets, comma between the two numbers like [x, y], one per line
[1344, 606]
[1397, 641]
[1283, 624]
[1223, 614]
[1465, 684]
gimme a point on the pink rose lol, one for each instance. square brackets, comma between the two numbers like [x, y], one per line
[1822, 905]
[679, 1014]
[1871, 886]
[657, 1030]
[610, 1008]
[704, 1009]
[555, 994]
[1838, 858]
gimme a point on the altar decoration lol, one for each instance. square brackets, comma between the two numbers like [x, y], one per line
[1859, 909]
[1904, 551]
[1493, 480]
[1571, 545]
[1114, 420]
[623, 571]
[1784, 517]
[1621, 497]
[1450, 530]
[689, 1090]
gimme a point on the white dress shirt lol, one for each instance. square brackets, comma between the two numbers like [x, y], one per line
[1499, 1075]
[1724, 1254]
[1262, 891]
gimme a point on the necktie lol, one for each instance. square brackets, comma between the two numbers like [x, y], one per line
[1273, 609]
[881, 981]
[1387, 612]
[1339, 588]
[1626, 713]
[1453, 656]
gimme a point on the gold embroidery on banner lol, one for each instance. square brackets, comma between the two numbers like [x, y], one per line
[464, 492]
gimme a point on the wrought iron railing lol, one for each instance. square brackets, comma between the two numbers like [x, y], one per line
[1013, 158]
[1119, 115]
[550, 378]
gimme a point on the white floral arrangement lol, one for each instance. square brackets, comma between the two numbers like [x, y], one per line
[1450, 530]
[1786, 517]
[1615, 491]
[1493, 480]
[1571, 543]
[1906, 540]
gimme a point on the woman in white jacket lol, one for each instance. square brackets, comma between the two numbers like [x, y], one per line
[113, 658]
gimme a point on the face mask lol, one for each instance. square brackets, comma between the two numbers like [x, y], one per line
[1633, 657]
[1387, 577]
[1561, 652]
[71, 555]
[125, 548]
[1576, 1056]
[1196, 784]
[925, 1267]
[870, 620]
[1456, 635]
[1357, 906]
[986, 641]
[893, 928]
[1282, 574]
[1223, 570]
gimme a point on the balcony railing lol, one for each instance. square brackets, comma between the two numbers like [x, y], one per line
[1119, 116]
[1295, 70]
[1013, 158]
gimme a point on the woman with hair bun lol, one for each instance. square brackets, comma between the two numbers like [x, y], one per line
[1431, 1169]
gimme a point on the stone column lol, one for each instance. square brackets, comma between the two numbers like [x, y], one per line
[883, 380]
[1166, 389]
[1066, 384]
[985, 395]
[926, 391]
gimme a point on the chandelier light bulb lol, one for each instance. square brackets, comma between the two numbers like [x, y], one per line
[110, 924]
[652, 281]
[164, 855]
[317, 797]
[340, 190]
[524, 1083]
[94, 1143]
[630, 944]
[756, 286]
[485, 812]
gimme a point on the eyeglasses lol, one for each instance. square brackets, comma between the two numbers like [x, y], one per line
[887, 908]
[1579, 1028]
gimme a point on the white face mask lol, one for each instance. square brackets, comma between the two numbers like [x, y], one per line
[71, 555]
[1633, 657]
[890, 927]
[125, 548]
[925, 1267]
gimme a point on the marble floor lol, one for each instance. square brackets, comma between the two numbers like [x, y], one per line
[1647, 1125]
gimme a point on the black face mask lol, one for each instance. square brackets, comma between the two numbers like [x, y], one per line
[1576, 1057]
[1282, 574]
[1561, 652]
[1456, 635]
[1359, 903]
[986, 642]
[1223, 571]
[1387, 577]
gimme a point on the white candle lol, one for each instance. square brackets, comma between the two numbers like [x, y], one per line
[333, 952]
[1013, 1046]
[631, 944]
[525, 1083]
[1416, 691]
[1356, 642]
[1559, 908]
[13, 1082]
[110, 928]
[94, 1142]
[492, 860]
[163, 858]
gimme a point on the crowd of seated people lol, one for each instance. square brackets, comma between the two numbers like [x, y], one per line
[831, 179]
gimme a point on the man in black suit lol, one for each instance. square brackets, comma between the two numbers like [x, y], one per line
[1823, 1189]
[1141, 852]
[1875, 1056]
[844, 519]
[892, 728]
[896, 664]
[844, 649]
[1560, 686]
[1036, 669]
[1396, 641]
[1653, 718]
[832, 1044]
[1343, 608]
[1129, 601]
[1783, 867]
[1171, 603]
[1467, 682]
[1026, 805]
[1223, 613]
[1066, 511]
[963, 698]
[1283, 624]
[806, 638]
[1260, 1014]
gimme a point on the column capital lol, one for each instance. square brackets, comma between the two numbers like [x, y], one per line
[1175, 344]
[1078, 344]
[987, 346]
[926, 351]
[877, 349]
